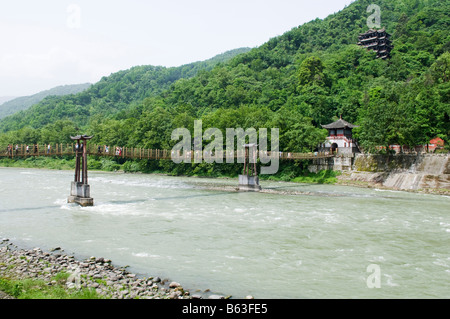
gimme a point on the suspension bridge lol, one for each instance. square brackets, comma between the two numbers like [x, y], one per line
[24, 151]
[80, 188]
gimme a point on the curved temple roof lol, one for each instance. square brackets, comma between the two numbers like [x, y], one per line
[339, 124]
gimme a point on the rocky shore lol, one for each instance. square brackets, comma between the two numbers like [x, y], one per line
[108, 281]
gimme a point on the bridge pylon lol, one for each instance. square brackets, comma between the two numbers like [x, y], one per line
[80, 190]
[249, 180]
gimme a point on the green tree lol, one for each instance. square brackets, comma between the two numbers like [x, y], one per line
[441, 68]
[384, 121]
[297, 133]
[311, 71]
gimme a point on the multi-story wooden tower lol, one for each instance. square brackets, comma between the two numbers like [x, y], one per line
[378, 41]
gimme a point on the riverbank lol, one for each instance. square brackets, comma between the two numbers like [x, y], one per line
[368, 180]
[93, 278]
[420, 173]
[376, 185]
[286, 173]
[354, 178]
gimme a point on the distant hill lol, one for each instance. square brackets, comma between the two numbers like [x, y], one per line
[22, 103]
[111, 95]
[4, 99]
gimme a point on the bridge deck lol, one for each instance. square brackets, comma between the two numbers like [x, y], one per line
[129, 152]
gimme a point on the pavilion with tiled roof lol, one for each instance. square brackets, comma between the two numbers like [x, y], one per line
[340, 138]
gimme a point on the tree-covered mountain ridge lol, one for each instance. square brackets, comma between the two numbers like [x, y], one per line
[110, 95]
[296, 82]
[24, 102]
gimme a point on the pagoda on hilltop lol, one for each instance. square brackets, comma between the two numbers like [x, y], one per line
[378, 41]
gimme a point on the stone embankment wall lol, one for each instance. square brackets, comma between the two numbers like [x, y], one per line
[423, 172]
[337, 163]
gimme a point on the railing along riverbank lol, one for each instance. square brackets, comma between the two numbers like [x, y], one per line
[24, 151]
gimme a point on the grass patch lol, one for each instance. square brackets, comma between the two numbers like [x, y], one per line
[59, 163]
[322, 177]
[40, 289]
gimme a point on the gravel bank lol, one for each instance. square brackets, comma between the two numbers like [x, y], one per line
[95, 273]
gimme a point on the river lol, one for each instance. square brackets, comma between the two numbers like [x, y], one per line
[325, 242]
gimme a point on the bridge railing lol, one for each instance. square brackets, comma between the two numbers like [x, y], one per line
[134, 153]
[36, 150]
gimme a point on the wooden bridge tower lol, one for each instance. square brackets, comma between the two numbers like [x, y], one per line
[249, 180]
[80, 189]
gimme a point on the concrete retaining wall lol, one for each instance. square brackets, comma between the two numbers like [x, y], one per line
[402, 172]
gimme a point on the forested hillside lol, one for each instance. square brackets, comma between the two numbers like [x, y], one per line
[112, 94]
[24, 102]
[309, 76]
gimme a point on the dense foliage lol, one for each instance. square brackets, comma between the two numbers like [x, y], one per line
[109, 96]
[307, 77]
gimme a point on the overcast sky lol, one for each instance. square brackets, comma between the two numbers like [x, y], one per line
[47, 43]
